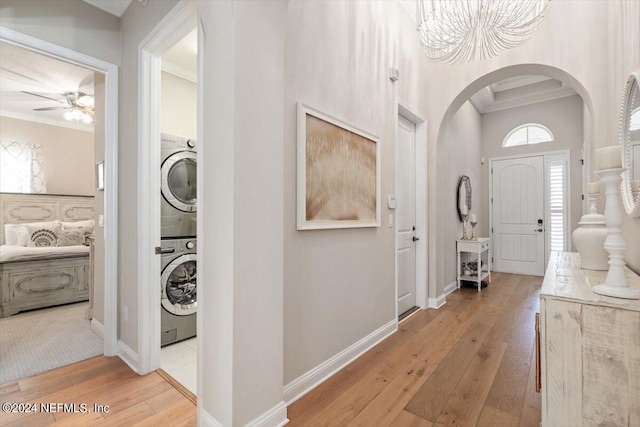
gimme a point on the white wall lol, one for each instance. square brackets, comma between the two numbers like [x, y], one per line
[179, 100]
[573, 39]
[624, 57]
[339, 285]
[68, 154]
[462, 142]
[563, 117]
[73, 24]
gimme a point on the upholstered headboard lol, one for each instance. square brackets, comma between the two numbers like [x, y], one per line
[21, 208]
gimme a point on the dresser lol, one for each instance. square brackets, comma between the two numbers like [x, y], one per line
[589, 349]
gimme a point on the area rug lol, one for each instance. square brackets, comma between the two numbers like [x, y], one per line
[36, 341]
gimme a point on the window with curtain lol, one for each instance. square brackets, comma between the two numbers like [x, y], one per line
[527, 134]
[21, 168]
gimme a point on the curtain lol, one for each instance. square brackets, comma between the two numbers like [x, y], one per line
[21, 168]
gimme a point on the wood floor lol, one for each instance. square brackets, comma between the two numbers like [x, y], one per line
[133, 400]
[470, 363]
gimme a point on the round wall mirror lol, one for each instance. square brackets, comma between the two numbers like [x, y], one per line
[464, 196]
[630, 141]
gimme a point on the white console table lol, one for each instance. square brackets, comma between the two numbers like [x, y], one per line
[589, 348]
[483, 244]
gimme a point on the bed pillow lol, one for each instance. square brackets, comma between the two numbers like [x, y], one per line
[85, 226]
[17, 234]
[43, 236]
[71, 237]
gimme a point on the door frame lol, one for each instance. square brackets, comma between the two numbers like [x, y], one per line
[567, 156]
[110, 71]
[171, 29]
[424, 299]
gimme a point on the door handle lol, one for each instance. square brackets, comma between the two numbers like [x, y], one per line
[415, 239]
[160, 250]
[539, 230]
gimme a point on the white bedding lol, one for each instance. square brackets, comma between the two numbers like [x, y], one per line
[21, 253]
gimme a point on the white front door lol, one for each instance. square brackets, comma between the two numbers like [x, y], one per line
[518, 215]
[405, 215]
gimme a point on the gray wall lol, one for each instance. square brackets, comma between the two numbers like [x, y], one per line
[339, 285]
[563, 117]
[68, 154]
[462, 142]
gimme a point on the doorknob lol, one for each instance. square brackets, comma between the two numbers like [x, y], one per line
[539, 230]
[415, 239]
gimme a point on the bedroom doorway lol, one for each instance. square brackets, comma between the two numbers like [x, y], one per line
[58, 234]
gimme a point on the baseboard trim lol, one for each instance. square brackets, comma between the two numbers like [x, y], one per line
[97, 328]
[128, 356]
[437, 302]
[206, 419]
[274, 417]
[450, 288]
[316, 376]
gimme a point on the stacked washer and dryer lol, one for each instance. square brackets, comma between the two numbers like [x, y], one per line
[178, 233]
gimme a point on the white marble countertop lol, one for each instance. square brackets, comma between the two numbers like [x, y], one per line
[565, 280]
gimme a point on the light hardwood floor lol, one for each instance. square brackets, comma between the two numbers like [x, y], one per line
[133, 400]
[469, 363]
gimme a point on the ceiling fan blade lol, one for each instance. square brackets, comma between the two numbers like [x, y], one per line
[43, 96]
[51, 108]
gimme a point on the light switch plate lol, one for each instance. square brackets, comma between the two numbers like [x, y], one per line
[100, 220]
[390, 220]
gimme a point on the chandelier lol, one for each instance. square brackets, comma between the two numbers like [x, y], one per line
[456, 31]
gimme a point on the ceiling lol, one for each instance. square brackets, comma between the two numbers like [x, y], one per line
[25, 70]
[114, 7]
[519, 91]
[182, 59]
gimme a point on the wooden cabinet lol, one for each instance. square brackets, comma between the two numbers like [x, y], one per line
[589, 348]
[477, 247]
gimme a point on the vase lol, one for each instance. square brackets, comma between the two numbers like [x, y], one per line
[589, 239]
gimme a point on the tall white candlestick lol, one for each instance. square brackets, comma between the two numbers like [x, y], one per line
[608, 158]
[463, 209]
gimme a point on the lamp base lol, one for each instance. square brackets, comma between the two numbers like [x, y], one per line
[617, 291]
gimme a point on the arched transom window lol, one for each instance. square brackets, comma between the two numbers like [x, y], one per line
[527, 134]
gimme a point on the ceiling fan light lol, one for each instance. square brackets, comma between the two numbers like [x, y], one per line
[85, 101]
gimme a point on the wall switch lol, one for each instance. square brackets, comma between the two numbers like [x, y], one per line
[390, 220]
[125, 313]
[100, 220]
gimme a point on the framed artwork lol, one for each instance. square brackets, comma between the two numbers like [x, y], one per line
[338, 174]
[100, 176]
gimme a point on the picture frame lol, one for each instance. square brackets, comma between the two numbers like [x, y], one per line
[100, 176]
[338, 173]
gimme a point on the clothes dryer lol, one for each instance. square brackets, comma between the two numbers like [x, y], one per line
[179, 300]
[178, 186]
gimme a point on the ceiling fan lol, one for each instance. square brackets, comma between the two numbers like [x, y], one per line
[78, 105]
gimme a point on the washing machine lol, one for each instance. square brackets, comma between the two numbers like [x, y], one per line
[178, 186]
[179, 300]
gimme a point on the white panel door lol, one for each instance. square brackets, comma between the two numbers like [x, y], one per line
[405, 215]
[518, 215]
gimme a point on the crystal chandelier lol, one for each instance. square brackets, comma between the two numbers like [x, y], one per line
[456, 31]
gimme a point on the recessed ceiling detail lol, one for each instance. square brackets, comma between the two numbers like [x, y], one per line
[519, 91]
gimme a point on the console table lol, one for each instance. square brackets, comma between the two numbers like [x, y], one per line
[483, 244]
[589, 348]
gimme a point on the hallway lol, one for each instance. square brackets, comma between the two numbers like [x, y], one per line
[470, 363]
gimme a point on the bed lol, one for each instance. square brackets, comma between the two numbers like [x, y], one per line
[37, 277]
